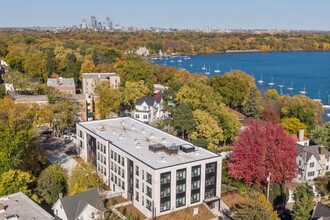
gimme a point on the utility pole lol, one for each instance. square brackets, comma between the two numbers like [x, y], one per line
[268, 183]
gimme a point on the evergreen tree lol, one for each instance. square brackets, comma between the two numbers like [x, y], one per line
[302, 209]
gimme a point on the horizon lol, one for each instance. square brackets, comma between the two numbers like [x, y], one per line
[234, 14]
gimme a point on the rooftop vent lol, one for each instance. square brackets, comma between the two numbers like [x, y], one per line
[137, 144]
[187, 148]
[197, 151]
[123, 123]
[121, 136]
[114, 131]
[133, 126]
[101, 127]
[163, 140]
[152, 135]
[162, 159]
[143, 131]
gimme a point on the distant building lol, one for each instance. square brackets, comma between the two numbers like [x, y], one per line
[84, 205]
[19, 206]
[142, 51]
[89, 80]
[64, 85]
[108, 24]
[93, 22]
[148, 109]
[84, 24]
[313, 160]
[158, 172]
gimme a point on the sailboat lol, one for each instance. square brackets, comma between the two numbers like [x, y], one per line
[318, 98]
[291, 88]
[260, 80]
[328, 105]
[204, 67]
[217, 70]
[303, 92]
[207, 72]
[271, 83]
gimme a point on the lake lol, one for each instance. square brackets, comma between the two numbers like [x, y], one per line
[304, 71]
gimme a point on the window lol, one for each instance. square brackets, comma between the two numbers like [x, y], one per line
[122, 161]
[210, 181]
[165, 192]
[115, 156]
[311, 173]
[119, 171]
[137, 116]
[137, 183]
[115, 179]
[144, 107]
[142, 187]
[123, 173]
[149, 178]
[299, 163]
[181, 174]
[104, 161]
[210, 167]
[111, 165]
[145, 116]
[116, 168]
[149, 192]
[196, 171]
[143, 174]
[111, 154]
[165, 178]
[137, 170]
[181, 201]
[119, 158]
[209, 193]
[327, 168]
[180, 188]
[164, 206]
[123, 185]
[136, 195]
[104, 150]
[148, 204]
[112, 177]
[81, 134]
[195, 184]
[311, 164]
[195, 197]
[142, 200]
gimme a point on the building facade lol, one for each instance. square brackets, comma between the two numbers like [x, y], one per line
[148, 108]
[158, 172]
[89, 80]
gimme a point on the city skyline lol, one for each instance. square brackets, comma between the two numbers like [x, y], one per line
[253, 14]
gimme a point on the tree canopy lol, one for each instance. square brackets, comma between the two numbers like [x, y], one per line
[303, 206]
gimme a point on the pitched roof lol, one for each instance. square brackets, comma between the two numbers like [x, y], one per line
[321, 210]
[150, 100]
[315, 150]
[73, 205]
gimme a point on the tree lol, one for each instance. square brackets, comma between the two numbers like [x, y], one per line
[133, 91]
[14, 181]
[293, 125]
[269, 114]
[252, 105]
[303, 206]
[259, 151]
[51, 182]
[35, 64]
[109, 99]
[83, 177]
[183, 120]
[207, 128]
[321, 134]
[255, 207]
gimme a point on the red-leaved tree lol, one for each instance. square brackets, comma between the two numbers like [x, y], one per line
[259, 151]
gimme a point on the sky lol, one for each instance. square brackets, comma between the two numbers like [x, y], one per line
[190, 14]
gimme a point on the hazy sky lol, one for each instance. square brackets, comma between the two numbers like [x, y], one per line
[247, 14]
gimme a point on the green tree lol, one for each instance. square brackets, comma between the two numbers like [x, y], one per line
[83, 177]
[51, 182]
[183, 120]
[133, 91]
[255, 207]
[303, 206]
[293, 125]
[35, 64]
[321, 134]
[207, 128]
[252, 105]
[108, 100]
[14, 181]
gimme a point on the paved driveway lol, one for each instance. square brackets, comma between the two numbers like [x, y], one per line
[56, 149]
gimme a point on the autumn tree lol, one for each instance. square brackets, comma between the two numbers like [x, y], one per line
[108, 99]
[293, 125]
[14, 181]
[183, 120]
[51, 182]
[269, 114]
[255, 207]
[303, 206]
[83, 177]
[133, 91]
[259, 151]
[321, 134]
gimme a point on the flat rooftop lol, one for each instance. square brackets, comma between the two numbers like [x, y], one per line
[147, 144]
[23, 207]
[98, 75]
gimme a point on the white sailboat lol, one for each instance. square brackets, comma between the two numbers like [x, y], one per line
[260, 81]
[217, 70]
[271, 83]
[291, 88]
[328, 105]
[207, 72]
[318, 98]
[303, 92]
[204, 67]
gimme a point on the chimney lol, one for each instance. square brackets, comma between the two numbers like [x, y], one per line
[60, 195]
[2, 208]
[301, 135]
[320, 150]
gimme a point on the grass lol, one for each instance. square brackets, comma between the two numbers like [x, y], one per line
[187, 214]
[131, 212]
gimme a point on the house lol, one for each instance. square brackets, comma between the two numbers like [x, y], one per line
[142, 51]
[19, 206]
[85, 205]
[321, 212]
[313, 160]
[89, 80]
[148, 109]
[63, 85]
[158, 172]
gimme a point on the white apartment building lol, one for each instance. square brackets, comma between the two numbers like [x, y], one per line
[89, 79]
[158, 172]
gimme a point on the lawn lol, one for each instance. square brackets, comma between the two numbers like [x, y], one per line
[187, 214]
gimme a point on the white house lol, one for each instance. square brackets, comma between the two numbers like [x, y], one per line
[148, 108]
[313, 160]
[158, 172]
[142, 51]
[85, 205]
